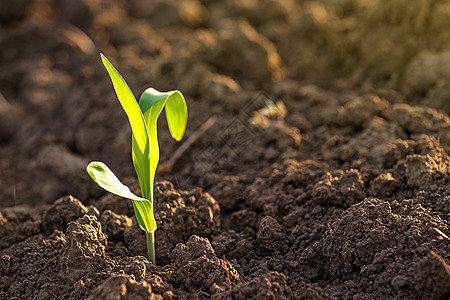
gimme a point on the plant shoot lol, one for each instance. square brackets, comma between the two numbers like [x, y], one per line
[143, 117]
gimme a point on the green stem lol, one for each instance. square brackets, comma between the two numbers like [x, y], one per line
[151, 246]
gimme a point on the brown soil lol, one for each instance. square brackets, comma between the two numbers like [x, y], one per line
[326, 174]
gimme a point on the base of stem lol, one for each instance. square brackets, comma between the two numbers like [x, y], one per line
[151, 246]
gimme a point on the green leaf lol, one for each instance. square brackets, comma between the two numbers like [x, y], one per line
[152, 103]
[106, 179]
[176, 109]
[140, 146]
[143, 119]
[141, 140]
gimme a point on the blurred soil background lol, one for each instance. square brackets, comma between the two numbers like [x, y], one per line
[324, 172]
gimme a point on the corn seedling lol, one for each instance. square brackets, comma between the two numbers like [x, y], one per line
[143, 117]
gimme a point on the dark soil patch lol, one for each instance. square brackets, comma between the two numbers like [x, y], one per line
[326, 174]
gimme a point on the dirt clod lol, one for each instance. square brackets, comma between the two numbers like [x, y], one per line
[180, 215]
[137, 267]
[113, 224]
[85, 246]
[269, 286]
[269, 234]
[360, 111]
[123, 287]
[199, 267]
[344, 189]
[432, 277]
[63, 211]
[235, 39]
[419, 119]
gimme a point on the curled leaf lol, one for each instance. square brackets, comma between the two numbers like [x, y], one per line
[106, 179]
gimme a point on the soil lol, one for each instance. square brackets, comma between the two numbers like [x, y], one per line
[325, 174]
